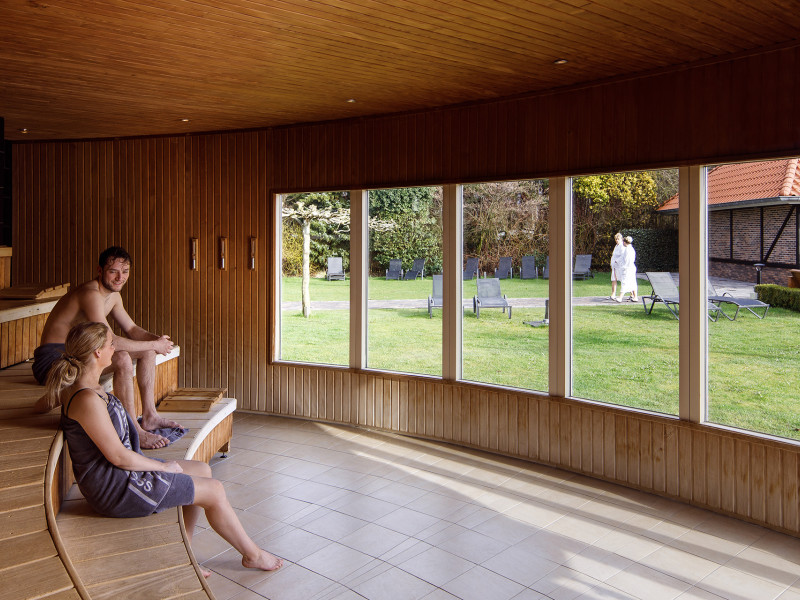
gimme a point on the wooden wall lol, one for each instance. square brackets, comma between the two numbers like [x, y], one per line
[151, 195]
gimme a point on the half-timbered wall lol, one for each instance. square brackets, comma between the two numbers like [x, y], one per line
[71, 199]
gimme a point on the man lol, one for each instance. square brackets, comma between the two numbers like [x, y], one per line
[95, 300]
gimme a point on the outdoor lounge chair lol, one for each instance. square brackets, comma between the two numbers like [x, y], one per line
[583, 267]
[416, 270]
[727, 298]
[529, 270]
[335, 270]
[504, 269]
[435, 299]
[546, 272]
[395, 270]
[490, 296]
[471, 270]
[665, 290]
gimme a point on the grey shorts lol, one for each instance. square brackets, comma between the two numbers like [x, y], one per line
[43, 358]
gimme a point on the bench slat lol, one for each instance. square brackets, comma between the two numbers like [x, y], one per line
[138, 563]
[21, 461]
[34, 580]
[22, 521]
[23, 476]
[31, 547]
[164, 585]
[21, 497]
[120, 542]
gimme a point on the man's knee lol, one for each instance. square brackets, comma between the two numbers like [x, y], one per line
[122, 363]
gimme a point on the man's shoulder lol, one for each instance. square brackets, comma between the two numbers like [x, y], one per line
[89, 292]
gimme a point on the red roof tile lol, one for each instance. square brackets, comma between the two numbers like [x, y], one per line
[743, 182]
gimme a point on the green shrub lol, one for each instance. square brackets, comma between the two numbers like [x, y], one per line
[780, 296]
[656, 249]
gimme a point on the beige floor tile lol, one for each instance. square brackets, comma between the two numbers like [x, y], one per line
[680, 564]
[436, 566]
[790, 595]
[207, 544]
[530, 594]
[708, 546]
[565, 584]
[279, 507]
[605, 592]
[335, 561]
[394, 584]
[735, 585]
[695, 593]
[406, 550]
[302, 469]
[505, 529]
[628, 544]
[250, 475]
[374, 540]
[520, 565]
[229, 564]
[479, 584]
[407, 521]
[780, 545]
[364, 507]
[294, 582]
[346, 479]
[580, 528]
[731, 529]
[473, 546]
[223, 588]
[534, 513]
[651, 584]
[294, 544]
[317, 493]
[597, 563]
[397, 493]
[334, 525]
[440, 594]
[552, 546]
[247, 595]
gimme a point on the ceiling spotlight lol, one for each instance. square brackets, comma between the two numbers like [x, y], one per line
[351, 100]
[184, 120]
[560, 61]
[23, 130]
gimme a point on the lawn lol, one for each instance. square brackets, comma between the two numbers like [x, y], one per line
[620, 354]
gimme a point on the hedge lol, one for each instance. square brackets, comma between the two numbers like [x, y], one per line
[656, 249]
[780, 296]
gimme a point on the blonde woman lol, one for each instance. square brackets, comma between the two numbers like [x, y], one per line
[116, 479]
[616, 263]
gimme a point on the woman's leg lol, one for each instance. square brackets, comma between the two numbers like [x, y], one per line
[210, 495]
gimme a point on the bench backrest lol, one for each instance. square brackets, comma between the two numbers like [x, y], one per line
[583, 263]
[663, 284]
[335, 264]
[436, 294]
[489, 289]
[528, 267]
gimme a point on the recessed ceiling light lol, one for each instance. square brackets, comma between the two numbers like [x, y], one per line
[23, 130]
[560, 61]
[184, 120]
[351, 100]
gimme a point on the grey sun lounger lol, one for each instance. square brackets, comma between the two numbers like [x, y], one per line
[416, 270]
[504, 269]
[435, 299]
[395, 270]
[335, 270]
[490, 296]
[726, 298]
[529, 270]
[666, 292]
[583, 267]
[471, 270]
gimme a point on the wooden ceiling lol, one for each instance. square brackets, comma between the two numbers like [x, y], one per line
[89, 69]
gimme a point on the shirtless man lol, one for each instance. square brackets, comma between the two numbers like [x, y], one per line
[95, 300]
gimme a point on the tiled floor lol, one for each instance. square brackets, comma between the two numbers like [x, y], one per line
[360, 514]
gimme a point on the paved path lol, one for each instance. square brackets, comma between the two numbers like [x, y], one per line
[737, 288]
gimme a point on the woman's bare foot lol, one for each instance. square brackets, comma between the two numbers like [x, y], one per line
[205, 573]
[265, 561]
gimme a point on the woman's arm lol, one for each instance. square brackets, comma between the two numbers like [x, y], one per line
[90, 411]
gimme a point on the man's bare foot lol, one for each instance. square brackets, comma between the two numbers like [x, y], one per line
[265, 561]
[158, 422]
[43, 405]
[151, 441]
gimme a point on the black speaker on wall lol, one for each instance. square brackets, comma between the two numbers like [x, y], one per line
[5, 187]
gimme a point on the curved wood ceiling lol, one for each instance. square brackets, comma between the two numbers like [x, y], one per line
[87, 69]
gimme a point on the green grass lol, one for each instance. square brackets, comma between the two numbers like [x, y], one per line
[620, 355]
[380, 289]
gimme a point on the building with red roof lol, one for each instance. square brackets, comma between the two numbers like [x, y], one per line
[754, 218]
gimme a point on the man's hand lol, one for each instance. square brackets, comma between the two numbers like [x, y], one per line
[163, 345]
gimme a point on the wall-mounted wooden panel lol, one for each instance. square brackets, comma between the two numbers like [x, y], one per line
[154, 195]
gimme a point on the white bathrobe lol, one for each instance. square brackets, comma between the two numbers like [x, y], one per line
[628, 271]
[616, 262]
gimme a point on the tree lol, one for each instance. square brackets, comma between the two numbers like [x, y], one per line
[324, 209]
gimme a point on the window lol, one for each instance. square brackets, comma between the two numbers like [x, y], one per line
[621, 353]
[753, 219]
[405, 240]
[315, 282]
[505, 286]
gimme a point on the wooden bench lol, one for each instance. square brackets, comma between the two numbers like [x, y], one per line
[61, 549]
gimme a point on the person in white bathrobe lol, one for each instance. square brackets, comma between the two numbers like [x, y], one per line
[616, 264]
[628, 271]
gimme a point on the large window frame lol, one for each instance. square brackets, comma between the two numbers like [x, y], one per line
[693, 270]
